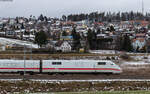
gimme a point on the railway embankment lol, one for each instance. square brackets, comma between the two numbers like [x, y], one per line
[12, 55]
[47, 87]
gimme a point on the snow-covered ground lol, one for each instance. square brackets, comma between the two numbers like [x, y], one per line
[103, 51]
[7, 41]
[137, 63]
[98, 80]
[113, 52]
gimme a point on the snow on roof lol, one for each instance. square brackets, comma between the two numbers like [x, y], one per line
[140, 34]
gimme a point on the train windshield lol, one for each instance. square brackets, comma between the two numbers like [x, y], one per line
[111, 63]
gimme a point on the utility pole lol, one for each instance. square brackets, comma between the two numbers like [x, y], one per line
[31, 51]
[24, 62]
[142, 7]
[31, 46]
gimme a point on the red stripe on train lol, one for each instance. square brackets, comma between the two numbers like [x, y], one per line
[81, 69]
[62, 69]
[20, 68]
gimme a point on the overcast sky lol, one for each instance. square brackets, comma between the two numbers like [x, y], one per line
[56, 8]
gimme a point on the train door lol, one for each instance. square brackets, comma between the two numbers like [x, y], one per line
[41, 66]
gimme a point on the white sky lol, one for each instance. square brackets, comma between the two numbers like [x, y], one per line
[56, 8]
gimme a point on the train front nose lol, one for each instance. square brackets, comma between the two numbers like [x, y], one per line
[120, 70]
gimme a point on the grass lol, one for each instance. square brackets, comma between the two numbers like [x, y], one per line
[100, 92]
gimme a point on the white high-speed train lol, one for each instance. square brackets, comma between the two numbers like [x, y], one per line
[59, 66]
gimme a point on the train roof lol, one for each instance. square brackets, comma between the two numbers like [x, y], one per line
[81, 60]
[62, 60]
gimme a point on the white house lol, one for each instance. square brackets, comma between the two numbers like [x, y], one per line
[10, 33]
[2, 48]
[63, 46]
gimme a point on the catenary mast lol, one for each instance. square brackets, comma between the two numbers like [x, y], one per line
[142, 7]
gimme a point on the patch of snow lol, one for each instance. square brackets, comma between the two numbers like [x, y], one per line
[102, 80]
[66, 81]
[7, 41]
[136, 63]
[104, 51]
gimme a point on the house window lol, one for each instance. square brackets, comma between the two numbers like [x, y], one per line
[101, 63]
[56, 63]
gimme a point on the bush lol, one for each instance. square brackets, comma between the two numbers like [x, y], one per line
[125, 56]
[113, 58]
[42, 50]
[145, 57]
[108, 58]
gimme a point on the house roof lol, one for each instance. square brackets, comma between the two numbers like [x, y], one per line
[139, 39]
[140, 35]
[59, 43]
[66, 37]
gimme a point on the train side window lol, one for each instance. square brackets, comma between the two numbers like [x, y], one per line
[56, 63]
[101, 63]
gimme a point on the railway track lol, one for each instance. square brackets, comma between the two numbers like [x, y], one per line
[12, 54]
[74, 76]
[58, 56]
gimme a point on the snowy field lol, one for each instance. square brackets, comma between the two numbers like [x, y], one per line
[7, 41]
